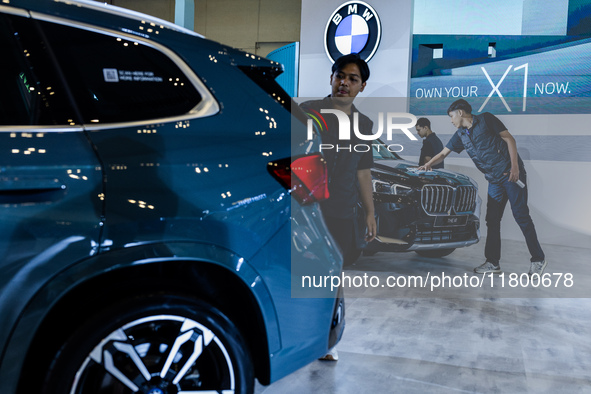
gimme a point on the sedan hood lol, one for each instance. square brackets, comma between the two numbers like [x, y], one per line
[406, 173]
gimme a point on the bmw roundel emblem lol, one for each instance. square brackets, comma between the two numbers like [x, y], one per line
[353, 28]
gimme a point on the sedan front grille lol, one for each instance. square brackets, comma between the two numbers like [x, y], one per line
[465, 199]
[440, 199]
[437, 199]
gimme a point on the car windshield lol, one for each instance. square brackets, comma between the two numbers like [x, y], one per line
[381, 152]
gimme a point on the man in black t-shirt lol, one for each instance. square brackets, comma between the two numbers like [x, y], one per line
[494, 152]
[432, 145]
[349, 169]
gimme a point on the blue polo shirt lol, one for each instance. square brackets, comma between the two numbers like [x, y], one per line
[486, 148]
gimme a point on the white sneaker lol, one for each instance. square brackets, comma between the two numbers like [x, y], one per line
[537, 267]
[487, 267]
[332, 355]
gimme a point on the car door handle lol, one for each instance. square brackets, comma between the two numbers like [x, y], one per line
[21, 191]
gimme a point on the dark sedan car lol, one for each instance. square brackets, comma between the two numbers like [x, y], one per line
[147, 212]
[429, 212]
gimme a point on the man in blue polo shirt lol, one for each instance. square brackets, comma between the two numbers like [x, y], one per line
[494, 152]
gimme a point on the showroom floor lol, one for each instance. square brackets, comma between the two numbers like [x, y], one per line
[410, 341]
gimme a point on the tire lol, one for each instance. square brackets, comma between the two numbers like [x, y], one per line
[435, 252]
[157, 344]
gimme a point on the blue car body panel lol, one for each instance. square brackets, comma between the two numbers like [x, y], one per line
[90, 200]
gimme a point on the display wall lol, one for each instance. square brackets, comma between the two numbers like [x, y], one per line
[535, 61]
[526, 61]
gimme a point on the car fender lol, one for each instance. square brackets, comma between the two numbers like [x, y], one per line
[79, 274]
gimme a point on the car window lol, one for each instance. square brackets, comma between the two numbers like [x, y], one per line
[380, 151]
[31, 92]
[114, 79]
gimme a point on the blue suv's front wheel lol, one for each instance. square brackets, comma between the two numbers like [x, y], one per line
[155, 345]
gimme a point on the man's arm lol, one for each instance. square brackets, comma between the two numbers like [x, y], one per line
[436, 160]
[512, 146]
[366, 192]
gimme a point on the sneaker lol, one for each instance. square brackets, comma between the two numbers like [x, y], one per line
[537, 267]
[487, 267]
[332, 355]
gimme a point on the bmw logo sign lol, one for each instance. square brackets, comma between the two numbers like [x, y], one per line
[353, 28]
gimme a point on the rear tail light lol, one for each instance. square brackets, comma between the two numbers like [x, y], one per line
[306, 177]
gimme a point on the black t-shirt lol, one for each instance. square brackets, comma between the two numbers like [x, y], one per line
[432, 145]
[343, 160]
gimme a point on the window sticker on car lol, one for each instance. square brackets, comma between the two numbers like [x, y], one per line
[138, 76]
[110, 75]
[114, 75]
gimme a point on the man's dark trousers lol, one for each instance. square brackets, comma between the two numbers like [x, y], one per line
[498, 195]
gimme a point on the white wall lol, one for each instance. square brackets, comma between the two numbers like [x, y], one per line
[389, 68]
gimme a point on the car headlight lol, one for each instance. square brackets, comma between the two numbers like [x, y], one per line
[390, 188]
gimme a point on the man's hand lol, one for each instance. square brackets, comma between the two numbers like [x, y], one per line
[512, 147]
[513, 175]
[438, 158]
[372, 228]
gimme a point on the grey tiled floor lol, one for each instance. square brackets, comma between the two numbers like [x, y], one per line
[459, 342]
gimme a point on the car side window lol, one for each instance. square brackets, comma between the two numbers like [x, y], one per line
[31, 92]
[116, 79]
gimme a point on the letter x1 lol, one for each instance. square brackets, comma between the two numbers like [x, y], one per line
[495, 88]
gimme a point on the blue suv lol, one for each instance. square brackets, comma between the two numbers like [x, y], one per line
[149, 215]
